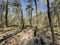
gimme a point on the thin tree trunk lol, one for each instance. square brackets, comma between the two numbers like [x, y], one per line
[36, 11]
[1, 19]
[22, 20]
[17, 16]
[6, 15]
[31, 18]
[36, 17]
[2, 16]
[50, 23]
[2, 12]
[56, 13]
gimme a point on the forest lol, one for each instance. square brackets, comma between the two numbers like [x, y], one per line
[29, 22]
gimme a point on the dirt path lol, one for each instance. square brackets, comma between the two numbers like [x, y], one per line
[25, 35]
[26, 38]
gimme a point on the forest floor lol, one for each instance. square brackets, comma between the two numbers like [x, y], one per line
[26, 36]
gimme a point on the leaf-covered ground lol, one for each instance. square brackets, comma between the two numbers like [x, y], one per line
[26, 37]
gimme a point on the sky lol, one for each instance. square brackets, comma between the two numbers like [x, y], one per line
[42, 5]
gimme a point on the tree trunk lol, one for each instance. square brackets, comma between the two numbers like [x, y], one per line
[36, 16]
[22, 20]
[36, 11]
[1, 19]
[50, 23]
[31, 18]
[55, 9]
[2, 12]
[6, 20]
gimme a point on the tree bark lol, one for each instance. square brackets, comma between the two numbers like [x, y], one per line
[30, 13]
[22, 20]
[55, 9]
[36, 17]
[36, 11]
[6, 15]
[31, 18]
[50, 23]
[1, 19]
